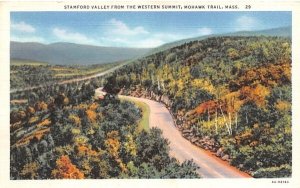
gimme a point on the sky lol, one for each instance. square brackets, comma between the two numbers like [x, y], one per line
[136, 29]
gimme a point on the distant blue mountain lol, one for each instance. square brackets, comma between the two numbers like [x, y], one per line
[69, 53]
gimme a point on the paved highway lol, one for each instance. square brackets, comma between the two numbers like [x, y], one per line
[210, 165]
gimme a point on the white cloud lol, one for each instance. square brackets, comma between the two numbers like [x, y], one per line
[205, 31]
[246, 23]
[148, 41]
[74, 37]
[27, 39]
[118, 33]
[120, 28]
[23, 27]
[168, 36]
[158, 39]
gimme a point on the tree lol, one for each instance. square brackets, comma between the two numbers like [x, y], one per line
[153, 148]
[30, 170]
[112, 86]
[250, 114]
[61, 100]
[30, 111]
[66, 170]
[232, 53]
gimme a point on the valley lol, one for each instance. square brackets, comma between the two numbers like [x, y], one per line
[224, 96]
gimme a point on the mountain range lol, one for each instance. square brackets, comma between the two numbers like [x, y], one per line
[70, 53]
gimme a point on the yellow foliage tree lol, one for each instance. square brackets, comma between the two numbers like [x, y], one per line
[203, 84]
[232, 53]
[75, 119]
[130, 146]
[283, 105]
[29, 170]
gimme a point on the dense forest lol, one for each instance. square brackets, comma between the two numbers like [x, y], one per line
[230, 95]
[63, 132]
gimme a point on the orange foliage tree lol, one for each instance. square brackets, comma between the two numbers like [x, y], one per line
[92, 116]
[207, 107]
[268, 76]
[256, 94]
[113, 146]
[66, 170]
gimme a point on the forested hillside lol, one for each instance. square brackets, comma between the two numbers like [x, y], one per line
[278, 32]
[62, 132]
[230, 95]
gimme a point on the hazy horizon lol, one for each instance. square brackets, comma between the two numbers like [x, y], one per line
[136, 29]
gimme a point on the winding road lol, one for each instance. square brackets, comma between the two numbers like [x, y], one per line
[210, 165]
[181, 149]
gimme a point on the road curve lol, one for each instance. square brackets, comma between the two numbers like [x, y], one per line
[181, 149]
[210, 165]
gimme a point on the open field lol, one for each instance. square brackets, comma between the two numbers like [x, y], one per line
[20, 62]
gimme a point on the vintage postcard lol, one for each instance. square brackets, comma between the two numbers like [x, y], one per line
[176, 93]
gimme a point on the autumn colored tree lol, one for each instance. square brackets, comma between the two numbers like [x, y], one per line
[30, 111]
[30, 170]
[91, 115]
[40, 106]
[256, 94]
[66, 170]
[113, 145]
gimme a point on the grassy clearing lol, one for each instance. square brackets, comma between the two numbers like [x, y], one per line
[75, 70]
[18, 62]
[144, 122]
